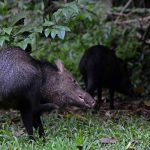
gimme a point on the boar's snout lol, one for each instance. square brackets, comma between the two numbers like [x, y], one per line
[88, 100]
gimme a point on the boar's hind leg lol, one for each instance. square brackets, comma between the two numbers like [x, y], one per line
[99, 99]
[27, 118]
[90, 87]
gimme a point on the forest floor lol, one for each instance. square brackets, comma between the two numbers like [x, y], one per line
[125, 128]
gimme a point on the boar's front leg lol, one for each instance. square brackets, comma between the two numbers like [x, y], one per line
[48, 107]
[37, 123]
[27, 118]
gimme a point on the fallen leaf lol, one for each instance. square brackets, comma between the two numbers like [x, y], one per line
[147, 103]
[108, 140]
[110, 114]
[77, 116]
[131, 148]
[131, 144]
[19, 133]
[139, 90]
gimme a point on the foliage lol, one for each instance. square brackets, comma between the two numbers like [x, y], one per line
[67, 32]
[24, 23]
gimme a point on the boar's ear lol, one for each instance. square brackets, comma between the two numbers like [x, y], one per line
[59, 65]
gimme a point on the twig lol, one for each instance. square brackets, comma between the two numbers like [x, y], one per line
[65, 1]
[144, 38]
[135, 10]
[146, 33]
[134, 20]
[126, 5]
[117, 14]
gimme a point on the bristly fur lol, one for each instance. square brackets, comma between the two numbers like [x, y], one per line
[101, 68]
[31, 86]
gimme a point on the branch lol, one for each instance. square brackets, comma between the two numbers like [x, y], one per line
[146, 33]
[126, 5]
[144, 38]
[147, 18]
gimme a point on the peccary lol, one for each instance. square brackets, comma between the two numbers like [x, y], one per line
[101, 68]
[33, 86]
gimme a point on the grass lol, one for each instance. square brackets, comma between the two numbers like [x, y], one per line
[72, 132]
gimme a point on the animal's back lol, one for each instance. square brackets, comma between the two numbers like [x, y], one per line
[99, 65]
[97, 59]
[17, 70]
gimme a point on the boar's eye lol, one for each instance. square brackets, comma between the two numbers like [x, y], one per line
[73, 80]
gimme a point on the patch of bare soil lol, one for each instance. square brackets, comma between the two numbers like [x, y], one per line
[123, 106]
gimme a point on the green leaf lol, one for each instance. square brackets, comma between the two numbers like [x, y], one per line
[3, 39]
[58, 30]
[7, 30]
[53, 33]
[17, 17]
[23, 44]
[74, 7]
[57, 15]
[64, 12]
[57, 27]
[66, 28]
[38, 29]
[61, 34]
[48, 23]
[47, 32]
[32, 38]
[27, 28]
[62, 28]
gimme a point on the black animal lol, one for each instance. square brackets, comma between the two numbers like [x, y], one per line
[33, 86]
[101, 68]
